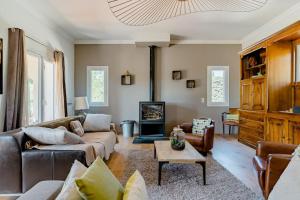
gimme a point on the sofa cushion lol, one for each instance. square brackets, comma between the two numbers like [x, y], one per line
[97, 122]
[99, 183]
[52, 136]
[77, 128]
[69, 190]
[135, 188]
[44, 190]
[108, 139]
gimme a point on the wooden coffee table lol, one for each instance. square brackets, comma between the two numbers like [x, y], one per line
[165, 154]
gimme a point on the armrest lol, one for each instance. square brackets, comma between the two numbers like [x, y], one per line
[186, 127]
[10, 165]
[44, 190]
[276, 164]
[38, 165]
[209, 133]
[265, 148]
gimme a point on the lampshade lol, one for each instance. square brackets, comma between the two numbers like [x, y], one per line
[145, 12]
[81, 103]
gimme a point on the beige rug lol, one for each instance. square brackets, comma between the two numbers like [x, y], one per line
[184, 181]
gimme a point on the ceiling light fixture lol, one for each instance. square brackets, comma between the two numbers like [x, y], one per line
[144, 12]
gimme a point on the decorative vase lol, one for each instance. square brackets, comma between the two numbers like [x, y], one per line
[177, 139]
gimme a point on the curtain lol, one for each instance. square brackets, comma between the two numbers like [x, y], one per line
[15, 88]
[60, 86]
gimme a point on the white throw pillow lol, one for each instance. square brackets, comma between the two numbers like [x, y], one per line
[97, 122]
[69, 190]
[52, 136]
[199, 126]
[135, 188]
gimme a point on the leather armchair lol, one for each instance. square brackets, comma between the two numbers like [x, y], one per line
[202, 143]
[270, 161]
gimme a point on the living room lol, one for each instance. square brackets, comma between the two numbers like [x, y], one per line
[141, 99]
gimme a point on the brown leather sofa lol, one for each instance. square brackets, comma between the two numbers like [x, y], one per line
[270, 161]
[21, 169]
[202, 143]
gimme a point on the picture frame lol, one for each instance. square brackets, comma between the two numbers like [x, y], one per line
[126, 79]
[1, 66]
[176, 75]
[190, 84]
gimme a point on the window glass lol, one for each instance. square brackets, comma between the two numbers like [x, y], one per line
[218, 86]
[97, 85]
[48, 88]
[40, 89]
[33, 89]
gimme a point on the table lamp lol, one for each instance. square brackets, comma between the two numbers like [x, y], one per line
[81, 104]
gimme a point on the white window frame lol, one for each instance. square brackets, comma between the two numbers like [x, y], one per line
[209, 86]
[100, 68]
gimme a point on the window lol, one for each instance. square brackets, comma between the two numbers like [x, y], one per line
[97, 85]
[40, 89]
[217, 86]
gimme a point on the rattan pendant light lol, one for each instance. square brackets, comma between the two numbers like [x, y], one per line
[144, 12]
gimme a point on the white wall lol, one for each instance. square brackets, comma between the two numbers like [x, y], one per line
[283, 20]
[12, 14]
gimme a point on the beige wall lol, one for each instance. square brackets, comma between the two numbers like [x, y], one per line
[182, 104]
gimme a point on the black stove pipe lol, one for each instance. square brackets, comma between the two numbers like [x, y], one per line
[152, 73]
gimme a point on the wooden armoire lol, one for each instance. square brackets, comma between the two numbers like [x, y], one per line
[269, 89]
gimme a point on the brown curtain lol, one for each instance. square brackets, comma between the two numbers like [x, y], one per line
[15, 79]
[60, 86]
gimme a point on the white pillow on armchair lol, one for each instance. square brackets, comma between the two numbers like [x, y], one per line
[97, 122]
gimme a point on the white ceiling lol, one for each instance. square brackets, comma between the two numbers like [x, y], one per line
[93, 20]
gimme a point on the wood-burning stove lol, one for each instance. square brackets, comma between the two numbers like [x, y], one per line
[152, 113]
[152, 119]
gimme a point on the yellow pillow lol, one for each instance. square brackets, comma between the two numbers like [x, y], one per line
[98, 183]
[135, 188]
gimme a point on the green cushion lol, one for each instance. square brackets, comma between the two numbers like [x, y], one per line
[99, 183]
[233, 117]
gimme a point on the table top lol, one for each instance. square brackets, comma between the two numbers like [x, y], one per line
[165, 153]
[287, 186]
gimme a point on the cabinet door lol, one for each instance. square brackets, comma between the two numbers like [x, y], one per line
[246, 95]
[259, 94]
[276, 130]
[294, 132]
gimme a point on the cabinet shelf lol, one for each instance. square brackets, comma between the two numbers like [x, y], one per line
[256, 66]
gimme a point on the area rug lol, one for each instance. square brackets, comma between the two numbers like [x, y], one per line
[184, 181]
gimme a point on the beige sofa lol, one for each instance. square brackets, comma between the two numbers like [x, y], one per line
[95, 143]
